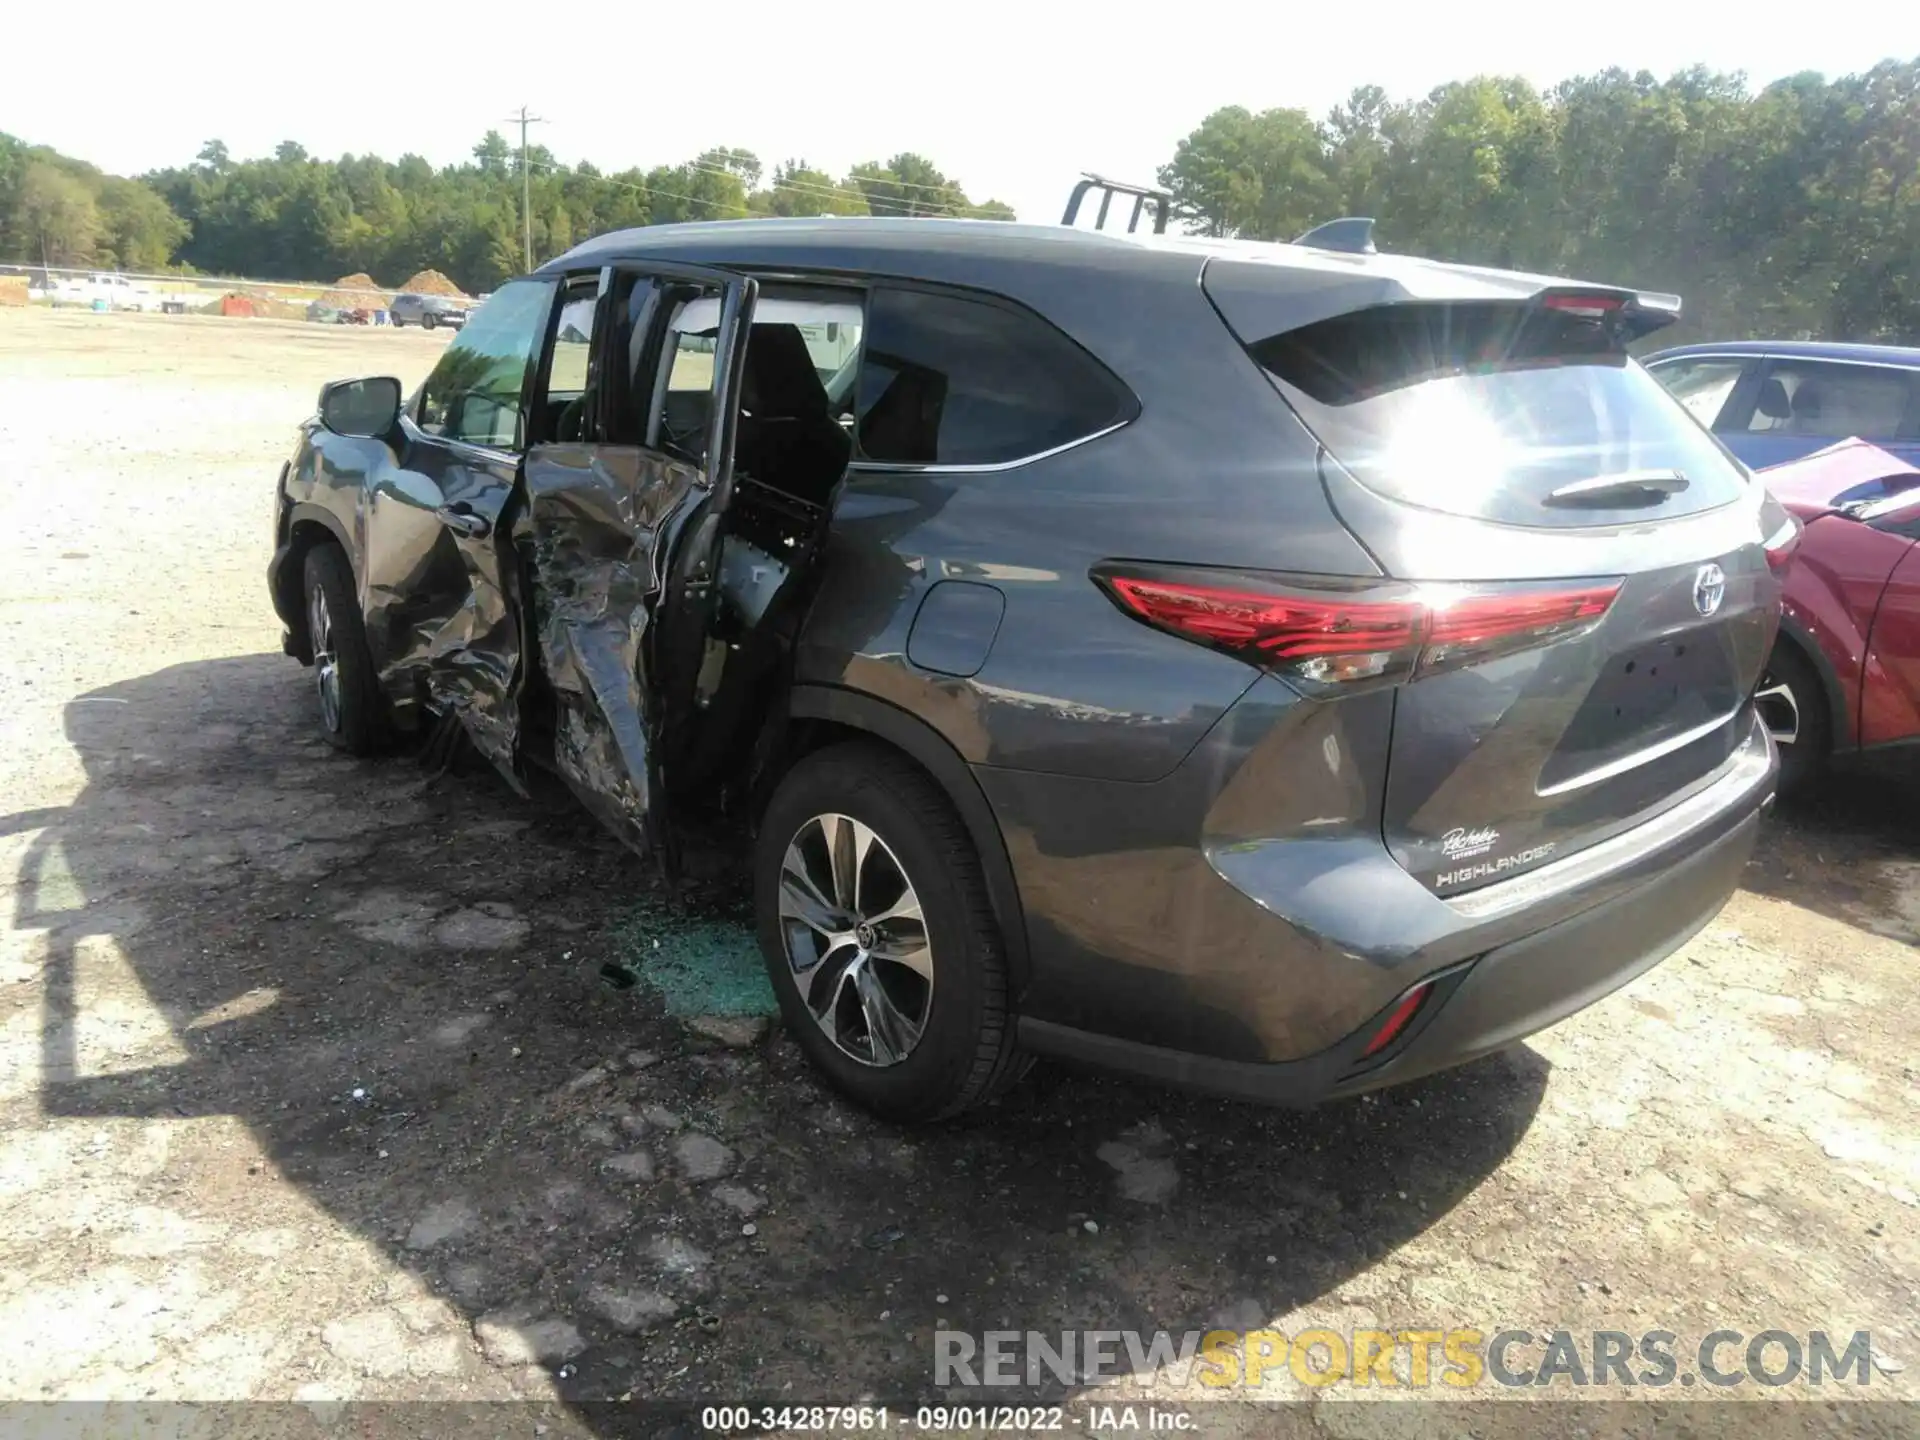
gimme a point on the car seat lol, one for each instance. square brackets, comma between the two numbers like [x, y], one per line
[1809, 400]
[787, 439]
[1774, 402]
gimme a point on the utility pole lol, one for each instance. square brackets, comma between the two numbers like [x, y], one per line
[523, 120]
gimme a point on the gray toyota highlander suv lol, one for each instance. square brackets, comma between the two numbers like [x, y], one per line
[1277, 669]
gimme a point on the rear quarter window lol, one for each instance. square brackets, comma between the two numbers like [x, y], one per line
[1485, 409]
[949, 380]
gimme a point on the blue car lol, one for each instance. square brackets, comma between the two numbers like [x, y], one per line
[1774, 401]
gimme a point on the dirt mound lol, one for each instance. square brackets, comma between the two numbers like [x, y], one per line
[357, 291]
[262, 305]
[432, 282]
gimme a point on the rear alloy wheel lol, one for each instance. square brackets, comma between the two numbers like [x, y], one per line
[351, 713]
[1793, 707]
[874, 922]
[856, 940]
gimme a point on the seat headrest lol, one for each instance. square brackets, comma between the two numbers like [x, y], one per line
[780, 382]
[1773, 401]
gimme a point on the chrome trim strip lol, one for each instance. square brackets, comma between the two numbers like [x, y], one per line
[1748, 766]
[875, 467]
[1637, 759]
[499, 457]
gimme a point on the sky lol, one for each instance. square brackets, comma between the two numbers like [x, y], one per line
[1012, 99]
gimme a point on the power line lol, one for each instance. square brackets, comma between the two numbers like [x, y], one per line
[641, 189]
[837, 192]
[830, 188]
[526, 182]
[946, 189]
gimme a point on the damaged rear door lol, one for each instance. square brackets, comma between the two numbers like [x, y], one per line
[625, 493]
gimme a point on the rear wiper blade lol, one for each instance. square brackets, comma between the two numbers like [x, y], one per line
[1632, 487]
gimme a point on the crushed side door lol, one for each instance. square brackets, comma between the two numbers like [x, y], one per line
[613, 522]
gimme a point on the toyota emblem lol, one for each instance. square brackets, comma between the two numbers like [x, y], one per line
[1709, 588]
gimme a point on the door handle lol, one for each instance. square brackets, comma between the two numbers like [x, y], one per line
[461, 519]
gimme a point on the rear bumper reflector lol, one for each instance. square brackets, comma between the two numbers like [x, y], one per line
[1398, 1020]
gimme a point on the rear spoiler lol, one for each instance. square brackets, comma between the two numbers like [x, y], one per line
[1633, 313]
[1293, 286]
[1637, 312]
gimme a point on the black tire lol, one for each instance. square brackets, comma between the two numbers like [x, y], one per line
[1793, 702]
[357, 722]
[427, 321]
[395, 321]
[965, 1053]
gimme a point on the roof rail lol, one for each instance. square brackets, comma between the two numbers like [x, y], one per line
[1351, 233]
[1162, 202]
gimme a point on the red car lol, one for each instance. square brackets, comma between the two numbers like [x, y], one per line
[1845, 671]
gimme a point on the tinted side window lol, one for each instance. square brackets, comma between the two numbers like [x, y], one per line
[952, 381]
[478, 391]
[1831, 402]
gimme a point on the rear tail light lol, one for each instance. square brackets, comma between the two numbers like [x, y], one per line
[1326, 634]
[1781, 544]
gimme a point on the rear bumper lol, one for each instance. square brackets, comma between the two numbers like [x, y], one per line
[1518, 965]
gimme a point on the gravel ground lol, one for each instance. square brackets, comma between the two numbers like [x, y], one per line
[311, 1087]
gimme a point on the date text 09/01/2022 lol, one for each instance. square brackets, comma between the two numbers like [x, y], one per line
[1014, 1419]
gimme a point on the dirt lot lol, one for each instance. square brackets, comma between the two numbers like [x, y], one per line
[311, 1087]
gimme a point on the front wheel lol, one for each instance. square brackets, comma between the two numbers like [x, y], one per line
[1793, 707]
[427, 322]
[873, 919]
[351, 712]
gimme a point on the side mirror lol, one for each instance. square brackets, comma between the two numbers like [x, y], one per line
[367, 408]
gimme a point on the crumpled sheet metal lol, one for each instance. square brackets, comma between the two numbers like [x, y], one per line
[446, 613]
[594, 519]
[473, 667]
[409, 573]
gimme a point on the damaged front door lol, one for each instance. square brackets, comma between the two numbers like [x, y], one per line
[625, 492]
[466, 437]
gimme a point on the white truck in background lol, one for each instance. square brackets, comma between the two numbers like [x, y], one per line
[115, 290]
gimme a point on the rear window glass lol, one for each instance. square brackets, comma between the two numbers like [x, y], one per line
[951, 381]
[1487, 409]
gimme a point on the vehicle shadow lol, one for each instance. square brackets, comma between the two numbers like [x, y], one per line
[1829, 850]
[394, 982]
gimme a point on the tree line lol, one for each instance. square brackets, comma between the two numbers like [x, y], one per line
[1792, 210]
[292, 216]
